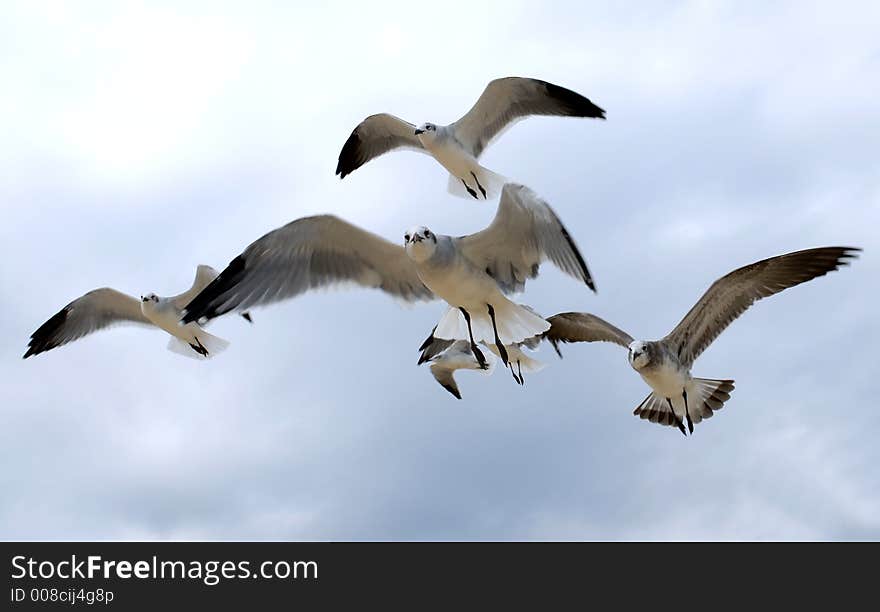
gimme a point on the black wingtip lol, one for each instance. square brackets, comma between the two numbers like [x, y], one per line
[43, 339]
[585, 271]
[575, 104]
[428, 340]
[452, 390]
[204, 304]
[349, 156]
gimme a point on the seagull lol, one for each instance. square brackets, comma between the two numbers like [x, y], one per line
[104, 307]
[433, 349]
[471, 273]
[665, 365]
[458, 146]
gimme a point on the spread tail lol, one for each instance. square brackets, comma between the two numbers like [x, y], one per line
[202, 346]
[515, 324]
[705, 396]
[482, 184]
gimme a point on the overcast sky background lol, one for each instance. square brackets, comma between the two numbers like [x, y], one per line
[138, 140]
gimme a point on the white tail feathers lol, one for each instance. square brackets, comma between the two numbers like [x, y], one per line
[515, 323]
[705, 396]
[203, 345]
[483, 180]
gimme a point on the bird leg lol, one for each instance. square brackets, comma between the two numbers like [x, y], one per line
[522, 381]
[483, 191]
[501, 348]
[469, 190]
[199, 348]
[678, 423]
[687, 413]
[474, 349]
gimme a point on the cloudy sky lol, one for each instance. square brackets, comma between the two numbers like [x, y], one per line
[138, 140]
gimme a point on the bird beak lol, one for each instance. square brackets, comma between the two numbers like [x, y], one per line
[418, 131]
[143, 299]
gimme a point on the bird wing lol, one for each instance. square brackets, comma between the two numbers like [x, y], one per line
[375, 136]
[204, 276]
[95, 310]
[583, 327]
[524, 233]
[509, 99]
[305, 254]
[732, 294]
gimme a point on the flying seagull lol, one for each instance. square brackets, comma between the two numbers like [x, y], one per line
[104, 307]
[458, 146]
[666, 364]
[472, 273]
[447, 356]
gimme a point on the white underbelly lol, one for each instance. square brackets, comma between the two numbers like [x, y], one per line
[456, 161]
[169, 320]
[666, 381]
[461, 285]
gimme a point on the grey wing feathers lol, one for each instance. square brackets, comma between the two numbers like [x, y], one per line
[512, 98]
[375, 136]
[732, 294]
[308, 253]
[95, 310]
[583, 327]
[524, 233]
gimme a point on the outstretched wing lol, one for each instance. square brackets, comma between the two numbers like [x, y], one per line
[583, 327]
[732, 294]
[204, 276]
[509, 99]
[305, 254]
[524, 233]
[95, 310]
[375, 136]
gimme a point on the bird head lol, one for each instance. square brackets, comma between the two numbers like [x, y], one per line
[639, 354]
[149, 301]
[419, 243]
[426, 132]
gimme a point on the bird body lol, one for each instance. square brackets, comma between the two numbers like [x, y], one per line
[189, 340]
[466, 176]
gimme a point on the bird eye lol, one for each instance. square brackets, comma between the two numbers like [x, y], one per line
[427, 233]
[406, 237]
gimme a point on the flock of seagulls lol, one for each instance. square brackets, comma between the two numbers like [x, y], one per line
[476, 275]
